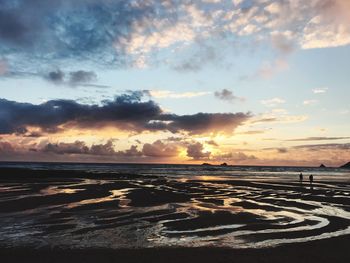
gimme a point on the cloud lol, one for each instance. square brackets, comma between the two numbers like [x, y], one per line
[126, 112]
[310, 102]
[157, 149]
[103, 149]
[273, 102]
[317, 139]
[282, 150]
[72, 78]
[252, 132]
[320, 90]
[122, 33]
[106, 151]
[201, 123]
[241, 156]
[131, 152]
[237, 2]
[47, 30]
[227, 95]
[279, 116]
[274, 8]
[330, 27]
[13, 29]
[56, 76]
[80, 148]
[265, 119]
[6, 147]
[212, 142]
[344, 112]
[81, 76]
[196, 151]
[161, 94]
[284, 41]
[160, 149]
[328, 146]
[234, 156]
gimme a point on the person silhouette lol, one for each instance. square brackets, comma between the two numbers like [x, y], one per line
[301, 177]
[311, 178]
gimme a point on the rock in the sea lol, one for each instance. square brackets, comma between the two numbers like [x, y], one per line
[206, 164]
[346, 166]
[223, 164]
[322, 166]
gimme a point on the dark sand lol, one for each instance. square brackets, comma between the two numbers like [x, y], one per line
[70, 216]
[332, 250]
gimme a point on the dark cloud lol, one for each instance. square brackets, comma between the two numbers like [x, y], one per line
[282, 150]
[103, 149]
[56, 76]
[314, 147]
[318, 139]
[80, 77]
[196, 151]
[226, 95]
[132, 152]
[157, 149]
[13, 27]
[125, 109]
[102, 30]
[80, 148]
[63, 29]
[160, 149]
[33, 134]
[204, 122]
[212, 142]
[125, 112]
[328, 146]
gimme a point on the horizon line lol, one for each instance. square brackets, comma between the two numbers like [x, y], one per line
[179, 164]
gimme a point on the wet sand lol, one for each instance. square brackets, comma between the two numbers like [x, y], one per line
[55, 216]
[323, 251]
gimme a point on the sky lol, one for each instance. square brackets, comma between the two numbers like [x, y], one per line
[246, 82]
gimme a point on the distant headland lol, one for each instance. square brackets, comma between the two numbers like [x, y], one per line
[209, 164]
[346, 166]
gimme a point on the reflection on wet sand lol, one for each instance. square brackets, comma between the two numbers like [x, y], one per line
[109, 210]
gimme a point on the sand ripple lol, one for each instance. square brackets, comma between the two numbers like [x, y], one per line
[118, 211]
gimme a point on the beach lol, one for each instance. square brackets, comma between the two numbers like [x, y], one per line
[330, 250]
[181, 214]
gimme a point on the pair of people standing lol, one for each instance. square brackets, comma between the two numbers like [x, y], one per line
[311, 178]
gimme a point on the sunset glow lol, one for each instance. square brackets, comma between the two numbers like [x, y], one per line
[250, 82]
